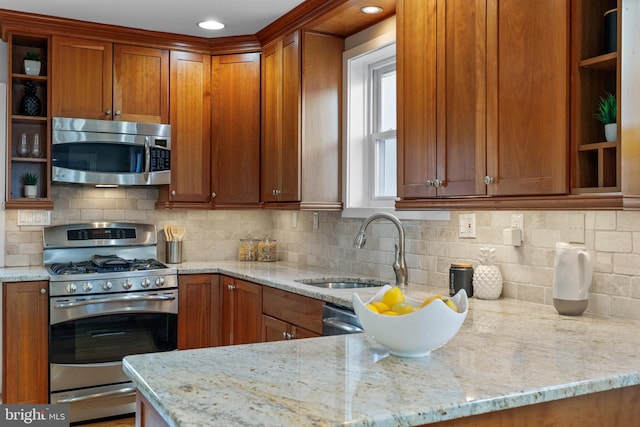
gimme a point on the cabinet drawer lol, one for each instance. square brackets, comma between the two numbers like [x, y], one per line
[296, 309]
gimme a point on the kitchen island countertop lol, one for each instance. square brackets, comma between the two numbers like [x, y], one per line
[508, 354]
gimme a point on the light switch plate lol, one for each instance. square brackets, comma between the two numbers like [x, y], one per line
[467, 226]
[33, 217]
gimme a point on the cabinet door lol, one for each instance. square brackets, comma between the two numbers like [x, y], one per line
[241, 312]
[461, 98]
[140, 84]
[416, 74]
[198, 311]
[81, 76]
[527, 96]
[235, 159]
[271, 105]
[273, 329]
[25, 339]
[190, 119]
[280, 149]
[290, 149]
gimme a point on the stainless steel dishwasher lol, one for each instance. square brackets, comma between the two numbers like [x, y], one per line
[339, 320]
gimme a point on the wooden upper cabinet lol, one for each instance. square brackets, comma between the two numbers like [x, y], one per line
[235, 129]
[280, 118]
[190, 105]
[82, 78]
[301, 107]
[441, 67]
[482, 95]
[141, 84]
[99, 80]
[528, 86]
[25, 343]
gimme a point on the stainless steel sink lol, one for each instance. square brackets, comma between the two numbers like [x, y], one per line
[342, 283]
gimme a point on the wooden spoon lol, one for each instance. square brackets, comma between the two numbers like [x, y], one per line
[178, 232]
[167, 232]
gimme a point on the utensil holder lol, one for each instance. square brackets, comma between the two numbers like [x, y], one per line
[174, 252]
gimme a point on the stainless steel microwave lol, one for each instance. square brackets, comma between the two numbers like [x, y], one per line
[105, 152]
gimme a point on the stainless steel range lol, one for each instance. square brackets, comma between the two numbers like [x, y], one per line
[109, 298]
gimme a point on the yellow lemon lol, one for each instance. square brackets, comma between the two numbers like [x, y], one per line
[372, 308]
[451, 304]
[390, 313]
[428, 300]
[380, 306]
[393, 296]
[402, 308]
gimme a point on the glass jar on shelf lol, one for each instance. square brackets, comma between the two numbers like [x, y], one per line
[22, 150]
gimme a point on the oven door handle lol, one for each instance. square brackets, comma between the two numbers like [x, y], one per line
[123, 392]
[128, 298]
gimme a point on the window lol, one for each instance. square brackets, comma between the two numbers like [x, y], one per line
[369, 138]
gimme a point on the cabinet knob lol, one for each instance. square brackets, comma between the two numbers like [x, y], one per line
[108, 112]
[438, 183]
[117, 112]
[429, 183]
[43, 291]
[488, 180]
[231, 287]
[173, 192]
[284, 335]
[213, 195]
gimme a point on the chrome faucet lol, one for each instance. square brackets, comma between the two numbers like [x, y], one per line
[399, 265]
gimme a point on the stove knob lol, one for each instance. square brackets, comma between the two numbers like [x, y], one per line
[71, 288]
[160, 282]
[127, 284]
[145, 282]
[87, 287]
[107, 286]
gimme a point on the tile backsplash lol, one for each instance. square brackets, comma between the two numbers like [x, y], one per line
[612, 237]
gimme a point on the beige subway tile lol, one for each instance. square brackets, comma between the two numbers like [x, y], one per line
[613, 241]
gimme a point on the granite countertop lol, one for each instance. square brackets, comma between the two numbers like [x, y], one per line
[507, 354]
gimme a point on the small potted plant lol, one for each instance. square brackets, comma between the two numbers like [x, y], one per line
[606, 113]
[32, 63]
[30, 185]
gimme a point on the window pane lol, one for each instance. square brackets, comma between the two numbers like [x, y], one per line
[388, 101]
[385, 165]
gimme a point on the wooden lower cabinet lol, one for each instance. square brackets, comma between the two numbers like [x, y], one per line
[241, 306]
[198, 311]
[288, 316]
[25, 342]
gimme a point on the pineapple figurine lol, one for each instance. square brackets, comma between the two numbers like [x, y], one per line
[30, 103]
[487, 280]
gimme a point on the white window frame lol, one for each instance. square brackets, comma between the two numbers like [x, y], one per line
[357, 183]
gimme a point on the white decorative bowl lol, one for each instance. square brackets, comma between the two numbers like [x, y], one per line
[414, 334]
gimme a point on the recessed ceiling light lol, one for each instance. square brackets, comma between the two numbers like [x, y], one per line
[371, 10]
[211, 25]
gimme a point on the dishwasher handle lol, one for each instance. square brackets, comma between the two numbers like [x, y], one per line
[347, 328]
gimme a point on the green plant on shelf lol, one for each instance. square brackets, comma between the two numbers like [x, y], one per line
[606, 109]
[30, 178]
[32, 56]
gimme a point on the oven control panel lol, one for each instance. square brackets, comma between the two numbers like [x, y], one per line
[100, 285]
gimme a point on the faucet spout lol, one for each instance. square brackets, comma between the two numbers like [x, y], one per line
[399, 264]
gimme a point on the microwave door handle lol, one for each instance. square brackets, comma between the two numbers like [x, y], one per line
[147, 158]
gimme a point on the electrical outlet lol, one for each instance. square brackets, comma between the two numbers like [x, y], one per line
[517, 221]
[467, 226]
[316, 221]
[576, 228]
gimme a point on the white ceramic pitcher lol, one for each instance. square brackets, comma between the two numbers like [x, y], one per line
[573, 271]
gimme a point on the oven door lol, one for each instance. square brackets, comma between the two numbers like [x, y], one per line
[89, 335]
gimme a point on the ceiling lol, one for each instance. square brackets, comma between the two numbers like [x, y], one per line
[242, 17]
